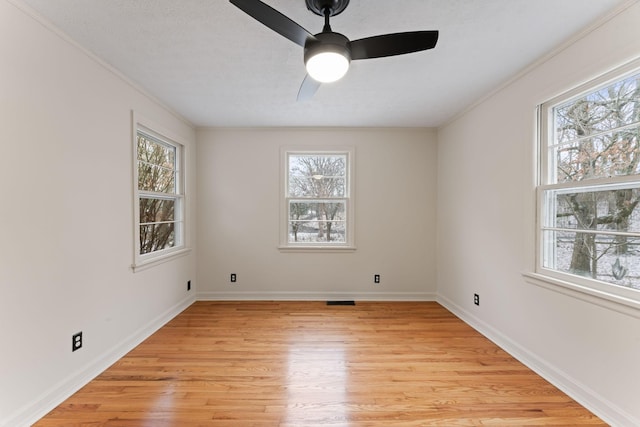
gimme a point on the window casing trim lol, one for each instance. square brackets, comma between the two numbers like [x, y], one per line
[349, 200]
[163, 136]
[619, 298]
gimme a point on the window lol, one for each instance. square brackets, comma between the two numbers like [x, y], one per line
[159, 193]
[589, 218]
[317, 199]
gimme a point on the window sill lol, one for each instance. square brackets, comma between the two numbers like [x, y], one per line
[618, 303]
[326, 249]
[143, 264]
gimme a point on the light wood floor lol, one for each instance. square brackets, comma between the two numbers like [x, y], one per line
[307, 364]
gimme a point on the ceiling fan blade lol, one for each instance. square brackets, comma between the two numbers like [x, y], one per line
[274, 20]
[308, 88]
[393, 44]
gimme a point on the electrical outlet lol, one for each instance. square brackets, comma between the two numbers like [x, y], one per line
[234, 278]
[76, 341]
[188, 285]
[476, 299]
[376, 278]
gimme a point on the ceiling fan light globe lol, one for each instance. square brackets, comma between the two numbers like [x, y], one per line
[327, 67]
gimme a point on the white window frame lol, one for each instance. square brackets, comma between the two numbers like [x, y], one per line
[596, 291]
[143, 261]
[349, 198]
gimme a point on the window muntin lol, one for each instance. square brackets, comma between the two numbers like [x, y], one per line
[590, 190]
[317, 199]
[159, 193]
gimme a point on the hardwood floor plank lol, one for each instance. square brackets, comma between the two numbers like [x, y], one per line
[308, 364]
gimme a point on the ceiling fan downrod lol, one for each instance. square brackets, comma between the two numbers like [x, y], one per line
[327, 15]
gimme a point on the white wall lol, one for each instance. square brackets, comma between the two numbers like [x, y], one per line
[238, 214]
[486, 213]
[67, 219]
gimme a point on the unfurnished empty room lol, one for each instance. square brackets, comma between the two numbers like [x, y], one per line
[320, 213]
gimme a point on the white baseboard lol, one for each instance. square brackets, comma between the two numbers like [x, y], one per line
[316, 296]
[48, 400]
[606, 410]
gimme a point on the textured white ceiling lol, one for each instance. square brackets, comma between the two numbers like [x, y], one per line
[216, 66]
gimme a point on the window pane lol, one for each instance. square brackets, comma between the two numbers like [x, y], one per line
[155, 237]
[609, 154]
[156, 210]
[606, 109]
[317, 176]
[604, 209]
[156, 179]
[156, 166]
[317, 221]
[154, 151]
[317, 232]
[317, 210]
[597, 135]
[611, 259]
[317, 187]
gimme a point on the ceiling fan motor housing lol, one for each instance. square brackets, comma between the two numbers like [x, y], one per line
[335, 6]
[327, 42]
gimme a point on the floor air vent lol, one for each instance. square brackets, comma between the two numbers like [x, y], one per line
[341, 303]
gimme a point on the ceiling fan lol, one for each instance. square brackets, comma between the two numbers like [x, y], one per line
[327, 54]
